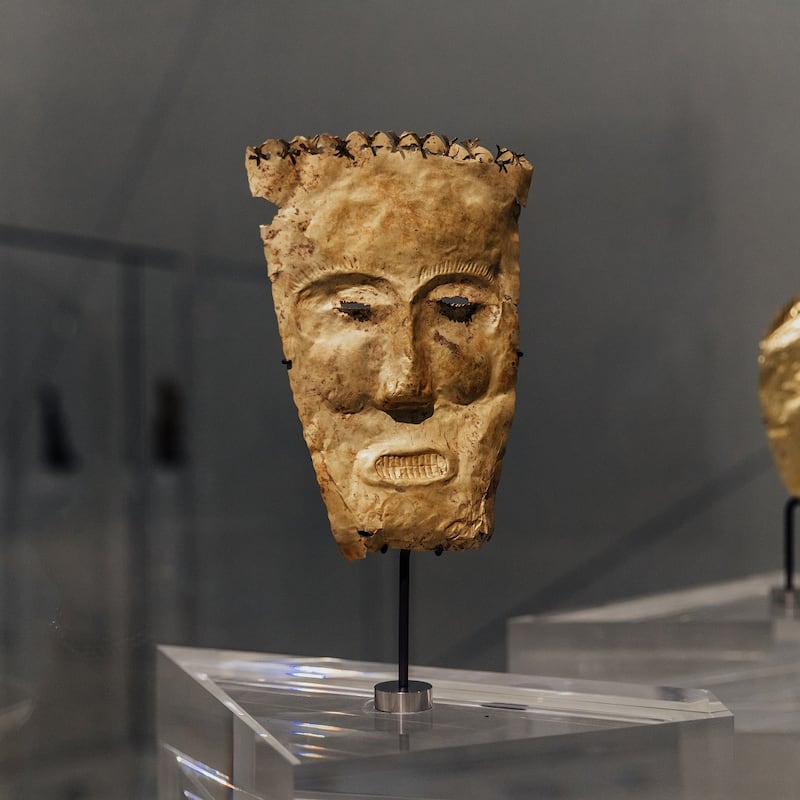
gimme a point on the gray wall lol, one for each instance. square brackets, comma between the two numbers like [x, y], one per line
[660, 238]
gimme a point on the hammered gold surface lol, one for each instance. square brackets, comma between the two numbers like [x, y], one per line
[394, 263]
[779, 392]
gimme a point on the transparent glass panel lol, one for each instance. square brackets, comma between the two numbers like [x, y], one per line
[280, 726]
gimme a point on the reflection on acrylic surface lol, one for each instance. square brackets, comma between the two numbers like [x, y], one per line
[779, 392]
[394, 264]
[307, 727]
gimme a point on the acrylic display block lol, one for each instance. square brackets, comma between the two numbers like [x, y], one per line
[730, 638]
[249, 725]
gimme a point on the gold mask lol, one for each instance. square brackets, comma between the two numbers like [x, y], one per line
[394, 264]
[779, 392]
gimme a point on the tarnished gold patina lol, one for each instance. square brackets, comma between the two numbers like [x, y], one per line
[394, 263]
[779, 392]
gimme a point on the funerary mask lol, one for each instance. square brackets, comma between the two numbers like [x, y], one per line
[394, 264]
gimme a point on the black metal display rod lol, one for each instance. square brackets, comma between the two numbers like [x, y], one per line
[403, 623]
[788, 541]
[403, 696]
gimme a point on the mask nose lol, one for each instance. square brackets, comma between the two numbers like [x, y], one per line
[405, 393]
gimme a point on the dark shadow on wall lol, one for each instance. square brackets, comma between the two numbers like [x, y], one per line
[57, 451]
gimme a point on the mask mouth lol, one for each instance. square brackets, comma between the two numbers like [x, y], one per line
[405, 469]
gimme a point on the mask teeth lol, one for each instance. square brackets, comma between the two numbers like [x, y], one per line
[422, 467]
[359, 144]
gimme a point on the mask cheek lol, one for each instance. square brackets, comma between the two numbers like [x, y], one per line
[473, 382]
[339, 374]
[460, 374]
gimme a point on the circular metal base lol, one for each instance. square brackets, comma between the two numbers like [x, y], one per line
[389, 698]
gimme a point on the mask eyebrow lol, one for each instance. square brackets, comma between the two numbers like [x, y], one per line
[332, 279]
[459, 266]
[478, 273]
[306, 276]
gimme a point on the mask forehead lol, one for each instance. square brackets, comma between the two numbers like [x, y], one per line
[393, 209]
[398, 214]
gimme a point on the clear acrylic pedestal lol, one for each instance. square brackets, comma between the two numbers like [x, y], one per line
[248, 725]
[730, 638]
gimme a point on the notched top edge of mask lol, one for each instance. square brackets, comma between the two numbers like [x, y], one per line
[272, 166]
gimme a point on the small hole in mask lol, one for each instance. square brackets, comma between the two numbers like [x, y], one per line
[366, 534]
[355, 310]
[457, 308]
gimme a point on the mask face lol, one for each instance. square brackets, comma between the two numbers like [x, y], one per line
[779, 392]
[395, 277]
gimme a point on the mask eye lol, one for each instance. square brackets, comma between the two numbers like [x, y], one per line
[360, 312]
[457, 309]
